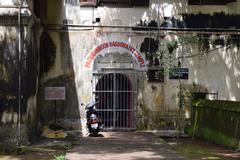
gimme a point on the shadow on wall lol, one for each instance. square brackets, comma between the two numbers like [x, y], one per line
[56, 68]
[218, 69]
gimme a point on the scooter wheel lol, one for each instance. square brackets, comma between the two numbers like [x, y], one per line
[95, 133]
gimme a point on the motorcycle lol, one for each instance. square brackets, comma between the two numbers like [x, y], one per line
[94, 122]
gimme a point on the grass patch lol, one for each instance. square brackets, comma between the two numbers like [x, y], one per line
[59, 157]
[191, 152]
[198, 149]
[217, 137]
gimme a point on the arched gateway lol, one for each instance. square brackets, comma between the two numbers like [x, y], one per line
[116, 100]
[115, 66]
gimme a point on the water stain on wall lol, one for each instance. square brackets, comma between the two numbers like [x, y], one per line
[9, 71]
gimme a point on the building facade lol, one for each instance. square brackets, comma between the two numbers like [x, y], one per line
[142, 59]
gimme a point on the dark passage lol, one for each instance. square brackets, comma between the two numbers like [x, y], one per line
[115, 101]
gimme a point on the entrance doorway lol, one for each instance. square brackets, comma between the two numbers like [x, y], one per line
[116, 96]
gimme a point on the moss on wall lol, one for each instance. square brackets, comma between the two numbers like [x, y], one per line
[219, 105]
[155, 120]
[212, 135]
[144, 113]
[217, 137]
[216, 121]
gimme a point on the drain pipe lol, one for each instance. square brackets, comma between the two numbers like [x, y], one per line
[19, 74]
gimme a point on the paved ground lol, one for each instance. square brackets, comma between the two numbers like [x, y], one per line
[128, 146]
[122, 146]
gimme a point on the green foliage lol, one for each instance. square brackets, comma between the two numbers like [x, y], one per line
[189, 40]
[171, 46]
[59, 157]
[186, 93]
[68, 147]
[189, 130]
[197, 151]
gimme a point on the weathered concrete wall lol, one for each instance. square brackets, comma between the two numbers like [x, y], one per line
[213, 71]
[58, 72]
[10, 68]
[161, 97]
[10, 86]
[9, 83]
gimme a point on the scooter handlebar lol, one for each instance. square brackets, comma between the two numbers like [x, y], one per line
[90, 105]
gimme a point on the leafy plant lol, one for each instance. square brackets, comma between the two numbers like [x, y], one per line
[233, 40]
[204, 42]
[171, 46]
[59, 157]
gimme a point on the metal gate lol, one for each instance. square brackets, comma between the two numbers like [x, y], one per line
[116, 96]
